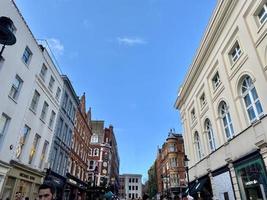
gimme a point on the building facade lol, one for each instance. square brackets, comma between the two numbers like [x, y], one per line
[30, 101]
[59, 155]
[152, 188]
[79, 154]
[132, 185]
[223, 105]
[170, 171]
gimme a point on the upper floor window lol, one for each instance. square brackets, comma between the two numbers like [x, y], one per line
[216, 80]
[52, 119]
[172, 147]
[65, 100]
[173, 162]
[15, 88]
[251, 99]
[26, 57]
[51, 83]
[262, 15]
[4, 121]
[44, 111]
[96, 152]
[44, 151]
[34, 147]
[43, 72]
[58, 93]
[235, 52]
[35, 100]
[25, 132]
[193, 115]
[210, 135]
[197, 146]
[226, 120]
[94, 138]
[203, 100]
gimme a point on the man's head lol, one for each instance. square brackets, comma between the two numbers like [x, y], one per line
[46, 191]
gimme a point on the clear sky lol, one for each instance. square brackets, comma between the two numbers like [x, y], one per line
[129, 57]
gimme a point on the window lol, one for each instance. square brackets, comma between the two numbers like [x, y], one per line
[202, 100]
[52, 119]
[26, 57]
[216, 80]
[251, 99]
[65, 101]
[34, 147]
[210, 135]
[92, 164]
[43, 72]
[262, 15]
[226, 120]
[4, 121]
[54, 156]
[65, 132]
[173, 162]
[96, 152]
[235, 53]
[59, 127]
[51, 83]
[130, 187]
[25, 132]
[44, 111]
[15, 88]
[35, 100]
[193, 115]
[130, 180]
[172, 147]
[58, 93]
[69, 108]
[46, 143]
[197, 146]
[136, 188]
[94, 138]
[59, 161]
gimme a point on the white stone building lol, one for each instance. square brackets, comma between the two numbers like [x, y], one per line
[223, 104]
[30, 90]
[131, 186]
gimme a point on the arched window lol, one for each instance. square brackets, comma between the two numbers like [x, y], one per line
[210, 135]
[226, 120]
[94, 138]
[197, 145]
[251, 99]
[96, 152]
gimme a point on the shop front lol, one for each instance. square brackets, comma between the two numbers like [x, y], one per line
[251, 177]
[4, 168]
[201, 188]
[59, 183]
[75, 188]
[21, 181]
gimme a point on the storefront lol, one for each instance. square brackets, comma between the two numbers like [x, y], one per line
[75, 188]
[201, 188]
[4, 168]
[59, 183]
[21, 181]
[251, 177]
[222, 186]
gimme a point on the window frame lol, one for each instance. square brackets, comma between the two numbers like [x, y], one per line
[15, 89]
[35, 101]
[26, 58]
[4, 124]
[216, 80]
[264, 14]
[235, 52]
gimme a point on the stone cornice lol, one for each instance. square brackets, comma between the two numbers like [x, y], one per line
[218, 21]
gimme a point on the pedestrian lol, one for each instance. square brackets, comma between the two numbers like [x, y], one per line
[47, 191]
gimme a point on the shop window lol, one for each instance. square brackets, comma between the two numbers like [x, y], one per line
[251, 99]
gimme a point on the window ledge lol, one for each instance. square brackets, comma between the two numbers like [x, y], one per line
[42, 120]
[14, 100]
[33, 111]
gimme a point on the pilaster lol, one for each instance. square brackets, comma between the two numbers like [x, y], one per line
[234, 181]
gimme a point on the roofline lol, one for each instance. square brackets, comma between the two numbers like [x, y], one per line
[67, 80]
[219, 17]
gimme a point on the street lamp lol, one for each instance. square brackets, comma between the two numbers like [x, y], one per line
[186, 160]
[6, 33]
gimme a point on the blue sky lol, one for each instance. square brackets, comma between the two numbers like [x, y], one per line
[129, 57]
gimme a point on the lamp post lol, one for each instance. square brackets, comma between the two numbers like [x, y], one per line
[186, 160]
[6, 33]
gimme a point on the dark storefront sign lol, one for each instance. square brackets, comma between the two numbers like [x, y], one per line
[251, 177]
[75, 187]
[58, 181]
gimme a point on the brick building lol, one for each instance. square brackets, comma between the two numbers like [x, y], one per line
[79, 155]
[170, 166]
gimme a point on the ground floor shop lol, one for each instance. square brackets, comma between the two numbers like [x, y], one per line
[59, 183]
[21, 181]
[4, 168]
[75, 188]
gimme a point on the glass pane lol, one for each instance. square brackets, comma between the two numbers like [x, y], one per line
[251, 113]
[227, 132]
[232, 129]
[258, 106]
[225, 121]
[254, 93]
[247, 100]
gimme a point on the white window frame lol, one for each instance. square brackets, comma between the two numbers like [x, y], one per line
[203, 100]
[51, 83]
[235, 52]
[253, 101]
[58, 93]
[263, 18]
[43, 72]
[27, 55]
[197, 145]
[35, 101]
[52, 119]
[4, 122]
[216, 80]
[210, 135]
[44, 111]
[226, 120]
[193, 115]
[15, 88]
